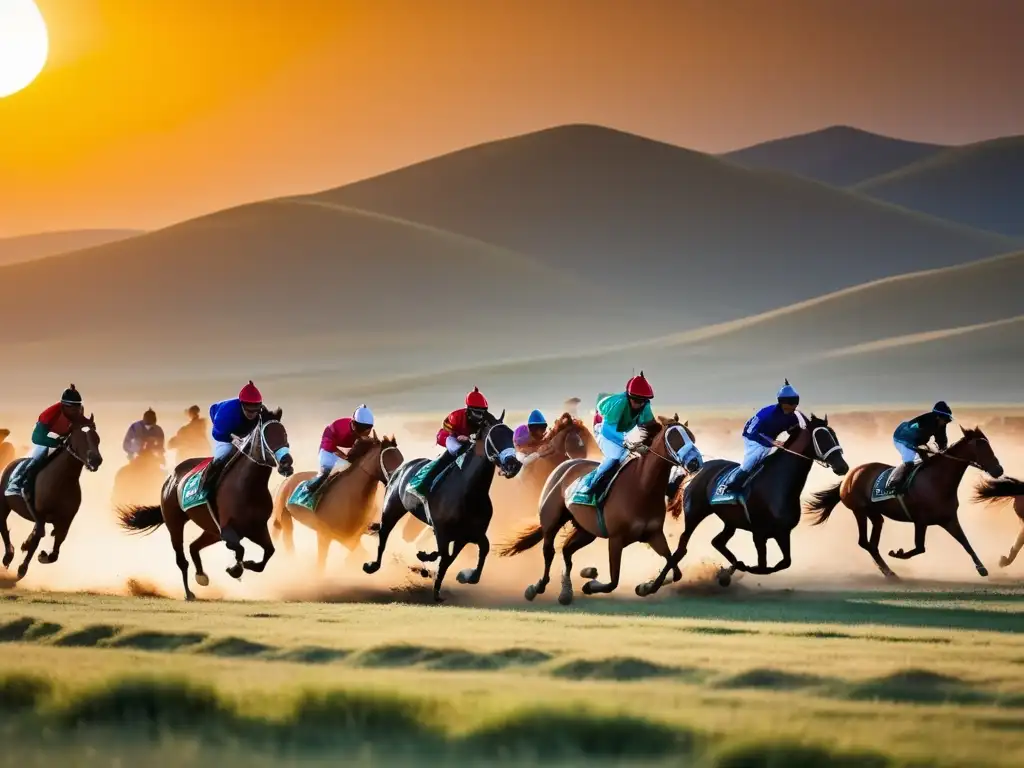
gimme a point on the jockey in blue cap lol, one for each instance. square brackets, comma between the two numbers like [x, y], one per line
[528, 438]
[761, 432]
[911, 438]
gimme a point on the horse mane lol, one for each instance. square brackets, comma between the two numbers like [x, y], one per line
[272, 415]
[564, 422]
[362, 447]
[650, 431]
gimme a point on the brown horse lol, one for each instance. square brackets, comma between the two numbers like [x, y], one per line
[769, 508]
[568, 438]
[242, 500]
[138, 481]
[633, 509]
[931, 499]
[345, 503]
[6, 449]
[1000, 491]
[57, 494]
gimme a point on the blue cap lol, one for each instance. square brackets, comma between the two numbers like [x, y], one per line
[536, 419]
[789, 395]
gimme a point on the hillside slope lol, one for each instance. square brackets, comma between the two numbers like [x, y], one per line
[839, 155]
[27, 247]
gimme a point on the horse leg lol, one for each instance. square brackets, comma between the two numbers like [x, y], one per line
[261, 538]
[871, 544]
[783, 541]
[323, 545]
[233, 541]
[615, 547]
[953, 529]
[5, 532]
[1003, 561]
[393, 512]
[446, 560]
[60, 532]
[691, 521]
[176, 529]
[721, 540]
[659, 544]
[761, 546]
[472, 575]
[578, 539]
[207, 538]
[286, 525]
[919, 532]
[548, 547]
[29, 548]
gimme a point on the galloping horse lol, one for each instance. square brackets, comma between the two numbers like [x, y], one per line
[930, 500]
[770, 506]
[6, 449]
[242, 501]
[1001, 491]
[568, 439]
[633, 508]
[139, 481]
[460, 508]
[57, 494]
[344, 504]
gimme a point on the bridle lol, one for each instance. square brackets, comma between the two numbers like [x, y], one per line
[66, 445]
[499, 457]
[385, 476]
[819, 457]
[678, 458]
[946, 455]
[267, 457]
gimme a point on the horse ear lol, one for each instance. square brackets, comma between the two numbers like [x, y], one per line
[92, 417]
[374, 433]
[685, 423]
[964, 431]
[501, 419]
[675, 417]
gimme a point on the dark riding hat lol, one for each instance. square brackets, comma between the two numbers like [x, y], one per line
[149, 417]
[942, 409]
[71, 396]
[192, 411]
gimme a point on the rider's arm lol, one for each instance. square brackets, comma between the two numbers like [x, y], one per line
[940, 437]
[41, 436]
[608, 432]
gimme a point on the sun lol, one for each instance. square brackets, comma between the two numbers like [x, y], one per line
[24, 44]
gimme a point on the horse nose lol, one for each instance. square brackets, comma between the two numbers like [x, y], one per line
[693, 465]
[998, 471]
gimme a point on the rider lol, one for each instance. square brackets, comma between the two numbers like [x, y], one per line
[338, 438]
[911, 438]
[761, 432]
[234, 418]
[528, 438]
[620, 414]
[52, 426]
[191, 436]
[143, 435]
[458, 427]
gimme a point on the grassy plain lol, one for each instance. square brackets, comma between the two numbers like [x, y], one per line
[913, 676]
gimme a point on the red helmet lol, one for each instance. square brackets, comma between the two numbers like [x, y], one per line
[476, 400]
[638, 386]
[250, 395]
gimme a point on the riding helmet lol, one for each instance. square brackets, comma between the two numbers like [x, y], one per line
[788, 395]
[638, 386]
[250, 395]
[476, 400]
[362, 417]
[536, 419]
[71, 396]
[943, 410]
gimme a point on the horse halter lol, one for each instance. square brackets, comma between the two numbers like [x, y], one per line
[66, 445]
[275, 456]
[678, 458]
[819, 457]
[498, 458]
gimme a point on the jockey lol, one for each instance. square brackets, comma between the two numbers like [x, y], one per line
[234, 418]
[761, 432]
[338, 438]
[619, 414]
[528, 438]
[458, 427]
[911, 438]
[191, 436]
[52, 426]
[143, 435]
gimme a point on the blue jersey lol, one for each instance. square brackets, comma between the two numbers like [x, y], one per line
[228, 419]
[766, 425]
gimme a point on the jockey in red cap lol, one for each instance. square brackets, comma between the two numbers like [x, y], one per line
[458, 427]
[619, 414]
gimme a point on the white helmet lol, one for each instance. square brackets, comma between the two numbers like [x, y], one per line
[363, 415]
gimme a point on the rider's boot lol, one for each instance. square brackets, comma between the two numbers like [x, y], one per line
[317, 482]
[599, 484]
[212, 478]
[899, 474]
[441, 463]
[736, 484]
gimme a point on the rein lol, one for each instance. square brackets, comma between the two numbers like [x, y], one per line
[946, 455]
[246, 448]
[385, 476]
[820, 458]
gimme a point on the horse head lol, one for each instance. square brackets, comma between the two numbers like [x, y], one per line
[83, 442]
[268, 444]
[494, 443]
[975, 449]
[678, 440]
[567, 437]
[814, 439]
[378, 458]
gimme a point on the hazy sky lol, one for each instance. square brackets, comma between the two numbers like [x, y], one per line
[151, 111]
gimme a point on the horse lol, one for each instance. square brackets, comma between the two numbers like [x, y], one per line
[6, 449]
[567, 439]
[345, 501]
[242, 502]
[1001, 491]
[57, 493]
[769, 507]
[139, 481]
[930, 500]
[460, 507]
[633, 508]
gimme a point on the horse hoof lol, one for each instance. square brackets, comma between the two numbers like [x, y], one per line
[724, 578]
[189, 597]
[588, 588]
[235, 571]
[438, 599]
[202, 580]
[982, 570]
[643, 590]
[565, 597]
[43, 558]
[588, 573]
[1003, 562]
[530, 593]
[891, 576]
[371, 567]
[22, 570]
[465, 576]
[252, 565]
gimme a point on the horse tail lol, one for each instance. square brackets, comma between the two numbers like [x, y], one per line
[528, 539]
[998, 491]
[139, 519]
[675, 507]
[824, 502]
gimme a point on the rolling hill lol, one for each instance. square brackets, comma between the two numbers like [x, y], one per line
[27, 247]
[839, 155]
[980, 185]
[665, 225]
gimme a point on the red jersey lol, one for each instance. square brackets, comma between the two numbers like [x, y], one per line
[338, 434]
[456, 424]
[55, 421]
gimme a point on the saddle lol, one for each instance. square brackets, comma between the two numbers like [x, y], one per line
[579, 492]
[720, 492]
[44, 462]
[192, 488]
[301, 497]
[883, 490]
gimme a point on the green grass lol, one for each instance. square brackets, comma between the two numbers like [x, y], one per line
[758, 679]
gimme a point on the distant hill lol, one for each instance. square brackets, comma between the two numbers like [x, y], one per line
[839, 155]
[26, 247]
[662, 225]
[979, 185]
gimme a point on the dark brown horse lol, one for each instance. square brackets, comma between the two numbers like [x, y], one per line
[1001, 491]
[633, 509]
[460, 507]
[769, 508]
[345, 504]
[57, 494]
[243, 502]
[931, 499]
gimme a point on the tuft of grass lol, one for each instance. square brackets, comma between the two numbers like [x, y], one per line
[151, 702]
[20, 692]
[88, 637]
[769, 755]
[772, 679]
[919, 686]
[235, 646]
[621, 668]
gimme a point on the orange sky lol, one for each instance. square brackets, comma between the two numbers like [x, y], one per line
[151, 111]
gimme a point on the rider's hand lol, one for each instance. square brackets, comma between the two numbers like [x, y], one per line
[640, 448]
[462, 439]
[778, 444]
